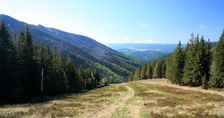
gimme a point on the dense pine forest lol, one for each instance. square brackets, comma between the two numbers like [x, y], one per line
[200, 63]
[28, 70]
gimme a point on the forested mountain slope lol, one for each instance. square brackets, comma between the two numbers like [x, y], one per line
[84, 51]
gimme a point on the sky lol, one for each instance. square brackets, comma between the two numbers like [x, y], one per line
[124, 21]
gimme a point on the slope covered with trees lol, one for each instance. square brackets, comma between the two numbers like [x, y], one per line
[144, 55]
[85, 52]
[198, 64]
[28, 70]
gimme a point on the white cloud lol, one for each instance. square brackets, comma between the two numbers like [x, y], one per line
[203, 26]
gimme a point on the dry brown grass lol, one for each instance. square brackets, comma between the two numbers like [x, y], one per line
[160, 101]
[146, 99]
[76, 105]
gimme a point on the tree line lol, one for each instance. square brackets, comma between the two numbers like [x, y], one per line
[28, 70]
[198, 64]
[154, 69]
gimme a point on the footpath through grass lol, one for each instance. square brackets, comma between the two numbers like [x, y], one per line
[139, 99]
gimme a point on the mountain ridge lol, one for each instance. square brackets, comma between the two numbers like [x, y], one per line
[84, 51]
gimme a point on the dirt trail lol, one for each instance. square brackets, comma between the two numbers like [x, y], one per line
[165, 82]
[133, 111]
[107, 111]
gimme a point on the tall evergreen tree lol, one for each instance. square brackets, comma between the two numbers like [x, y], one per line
[207, 65]
[157, 73]
[149, 71]
[58, 75]
[169, 68]
[97, 77]
[131, 77]
[197, 75]
[205, 58]
[163, 69]
[189, 58]
[29, 80]
[143, 72]
[217, 68]
[8, 79]
[136, 74]
[71, 75]
[178, 64]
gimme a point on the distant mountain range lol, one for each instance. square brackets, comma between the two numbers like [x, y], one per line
[144, 52]
[143, 56]
[142, 46]
[84, 51]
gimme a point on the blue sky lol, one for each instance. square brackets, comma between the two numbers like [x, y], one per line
[124, 21]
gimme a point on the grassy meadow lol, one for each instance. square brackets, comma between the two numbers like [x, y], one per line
[137, 99]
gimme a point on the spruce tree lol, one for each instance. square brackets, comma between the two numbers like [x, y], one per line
[149, 71]
[197, 75]
[189, 58]
[29, 79]
[130, 76]
[205, 58]
[8, 79]
[178, 64]
[158, 69]
[136, 74]
[207, 64]
[97, 77]
[143, 72]
[169, 68]
[58, 75]
[164, 69]
[71, 75]
[217, 68]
